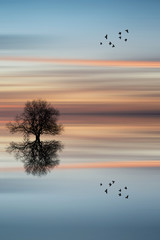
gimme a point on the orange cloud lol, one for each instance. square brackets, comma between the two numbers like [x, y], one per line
[81, 62]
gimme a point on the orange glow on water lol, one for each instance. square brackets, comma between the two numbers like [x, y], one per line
[130, 164]
[121, 164]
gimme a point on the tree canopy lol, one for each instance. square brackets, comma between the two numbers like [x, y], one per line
[39, 157]
[38, 118]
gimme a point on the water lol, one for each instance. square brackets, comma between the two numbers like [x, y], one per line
[71, 204]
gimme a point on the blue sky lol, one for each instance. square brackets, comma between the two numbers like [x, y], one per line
[73, 29]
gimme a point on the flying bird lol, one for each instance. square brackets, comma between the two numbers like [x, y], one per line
[127, 196]
[113, 45]
[120, 190]
[110, 43]
[120, 37]
[100, 184]
[113, 181]
[127, 30]
[110, 184]
[125, 188]
[119, 194]
[125, 39]
[106, 36]
[100, 43]
[106, 191]
[119, 33]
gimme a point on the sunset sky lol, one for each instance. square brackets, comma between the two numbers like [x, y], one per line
[109, 100]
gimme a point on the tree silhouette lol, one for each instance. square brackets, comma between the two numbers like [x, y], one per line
[38, 118]
[39, 157]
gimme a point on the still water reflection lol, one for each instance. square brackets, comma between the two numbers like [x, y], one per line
[39, 157]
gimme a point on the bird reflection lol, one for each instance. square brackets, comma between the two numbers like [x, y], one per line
[39, 157]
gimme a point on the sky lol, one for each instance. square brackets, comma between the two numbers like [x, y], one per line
[73, 29]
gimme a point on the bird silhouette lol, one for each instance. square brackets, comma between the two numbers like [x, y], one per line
[125, 39]
[120, 190]
[113, 182]
[106, 36]
[119, 33]
[113, 45]
[110, 43]
[120, 37]
[119, 194]
[100, 43]
[110, 184]
[127, 196]
[125, 188]
[106, 191]
[100, 184]
[127, 30]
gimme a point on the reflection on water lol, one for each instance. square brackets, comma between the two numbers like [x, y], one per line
[39, 157]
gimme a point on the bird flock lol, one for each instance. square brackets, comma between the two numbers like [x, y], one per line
[120, 36]
[121, 192]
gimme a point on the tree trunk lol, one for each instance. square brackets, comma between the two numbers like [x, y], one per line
[38, 137]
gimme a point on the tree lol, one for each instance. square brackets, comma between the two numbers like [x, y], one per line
[39, 157]
[38, 118]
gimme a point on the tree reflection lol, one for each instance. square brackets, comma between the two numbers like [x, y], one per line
[39, 157]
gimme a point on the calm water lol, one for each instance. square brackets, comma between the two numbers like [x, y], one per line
[71, 204]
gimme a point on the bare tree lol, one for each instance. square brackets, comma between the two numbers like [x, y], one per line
[39, 157]
[38, 118]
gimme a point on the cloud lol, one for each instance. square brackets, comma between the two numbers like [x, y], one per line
[85, 62]
[19, 42]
